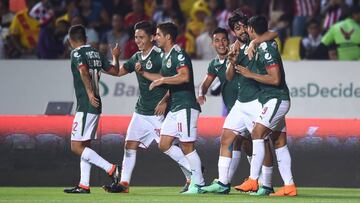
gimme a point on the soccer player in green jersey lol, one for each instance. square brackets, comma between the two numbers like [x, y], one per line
[346, 36]
[242, 114]
[268, 71]
[229, 89]
[147, 119]
[86, 65]
[176, 75]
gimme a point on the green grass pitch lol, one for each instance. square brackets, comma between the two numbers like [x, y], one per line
[169, 194]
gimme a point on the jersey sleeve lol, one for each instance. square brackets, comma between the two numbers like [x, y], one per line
[328, 38]
[182, 61]
[130, 64]
[211, 70]
[271, 57]
[79, 59]
[105, 63]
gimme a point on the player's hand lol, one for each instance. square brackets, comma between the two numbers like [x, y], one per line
[156, 83]
[95, 102]
[232, 57]
[160, 108]
[138, 68]
[243, 71]
[251, 49]
[116, 51]
[235, 47]
[201, 99]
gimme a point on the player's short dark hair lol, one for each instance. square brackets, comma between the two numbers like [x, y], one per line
[169, 28]
[147, 26]
[259, 24]
[77, 33]
[237, 16]
[221, 30]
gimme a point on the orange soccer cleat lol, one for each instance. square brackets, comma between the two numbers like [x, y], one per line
[249, 185]
[287, 190]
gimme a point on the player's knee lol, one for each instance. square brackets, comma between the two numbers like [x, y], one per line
[259, 132]
[187, 147]
[227, 138]
[280, 142]
[163, 146]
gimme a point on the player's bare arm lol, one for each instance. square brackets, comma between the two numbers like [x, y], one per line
[85, 76]
[273, 76]
[204, 86]
[182, 76]
[115, 52]
[161, 107]
[268, 35]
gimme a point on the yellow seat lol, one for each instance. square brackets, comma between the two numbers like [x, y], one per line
[291, 49]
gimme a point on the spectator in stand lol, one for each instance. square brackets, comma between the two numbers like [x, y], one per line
[92, 36]
[230, 6]
[138, 14]
[346, 36]
[130, 47]
[50, 45]
[334, 11]
[117, 35]
[5, 21]
[283, 27]
[117, 6]
[216, 6]
[45, 10]
[167, 10]
[23, 34]
[71, 11]
[199, 12]
[310, 46]
[303, 11]
[204, 48]
[6, 16]
[184, 38]
[95, 15]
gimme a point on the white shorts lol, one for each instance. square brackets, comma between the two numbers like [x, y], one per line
[273, 114]
[144, 129]
[181, 124]
[242, 117]
[84, 126]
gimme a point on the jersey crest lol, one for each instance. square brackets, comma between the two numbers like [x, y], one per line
[168, 63]
[148, 65]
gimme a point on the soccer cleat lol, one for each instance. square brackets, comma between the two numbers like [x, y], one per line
[287, 190]
[249, 185]
[114, 173]
[194, 189]
[122, 187]
[77, 190]
[217, 187]
[186, 186]
[263, 191]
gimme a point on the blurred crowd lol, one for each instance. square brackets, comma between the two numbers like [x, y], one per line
[307, 29]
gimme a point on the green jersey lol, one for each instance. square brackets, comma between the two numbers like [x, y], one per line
[182, 96]
[95, 62]
[229, 89]
[346, 35]
[267, 57]
[248, 89]
[151, 63]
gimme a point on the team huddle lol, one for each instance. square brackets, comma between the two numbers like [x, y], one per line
[253, 88]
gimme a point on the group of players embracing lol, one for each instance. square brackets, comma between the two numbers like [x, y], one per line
[253, 88]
